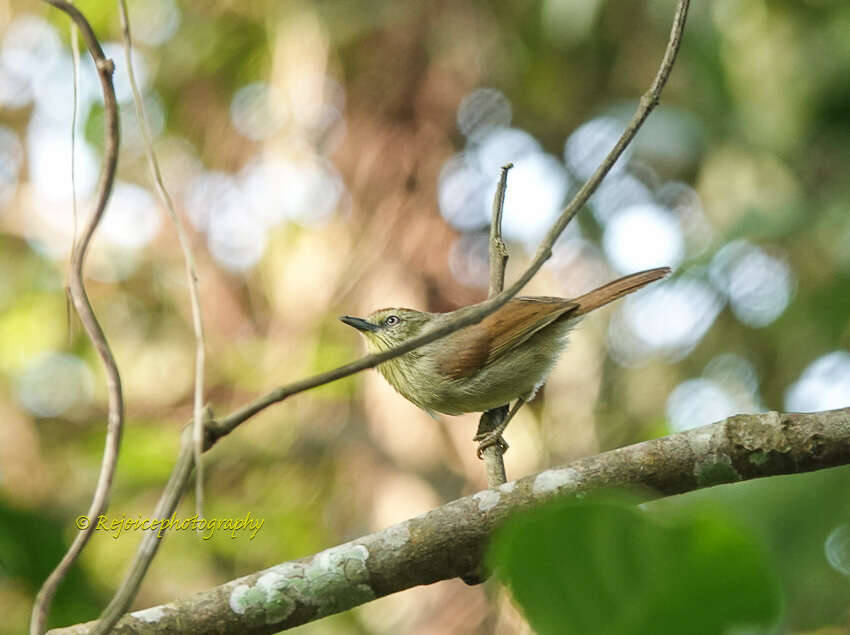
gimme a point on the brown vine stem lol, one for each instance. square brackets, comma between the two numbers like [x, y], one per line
[188, 260]
[105, 67]
[216, 429]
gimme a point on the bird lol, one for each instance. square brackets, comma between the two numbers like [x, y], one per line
[506, 356]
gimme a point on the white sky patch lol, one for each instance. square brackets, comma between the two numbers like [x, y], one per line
[698, 402]
[29, 51]
[616, 192]
[738, 377]
[132, 218]
[537, 189]
[823, 385]
[207, 195]
[236, 239]
[56, 92]
[482, 111]
[667, 318]
[759, 285]
[258, 110]
[49, 158]
[590, 143]
[120, 78]
[460, 194]
[53, 383]
[11, 157]
[643, 236]
[154, 21]
[502, 146]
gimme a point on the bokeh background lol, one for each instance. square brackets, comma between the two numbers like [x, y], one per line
[338, 157]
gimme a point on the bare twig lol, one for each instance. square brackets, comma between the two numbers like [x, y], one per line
[75, 63]
[104, 66]
[216, 429]
[498, 250]
[188, 260]
[451, 540]
[494, 464]
[165, 507]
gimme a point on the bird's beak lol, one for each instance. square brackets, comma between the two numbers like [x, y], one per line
[359, 323]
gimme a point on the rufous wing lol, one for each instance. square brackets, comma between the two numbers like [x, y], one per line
[463, 352]
[468, 350]
[476, 346]
[521, 318]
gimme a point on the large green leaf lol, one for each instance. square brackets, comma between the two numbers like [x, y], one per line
[600, 566]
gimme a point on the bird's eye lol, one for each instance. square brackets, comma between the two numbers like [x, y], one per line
[392, 320]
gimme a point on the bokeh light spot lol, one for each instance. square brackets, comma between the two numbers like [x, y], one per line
[11, 156]
[698, 402]
[461, 191]
[590, 143]
[759, 286]
[154, 21]
[483, 111]
[617, 192]
[537, 187]
[54, 383]
[837, 549]
[132, 217]
[823, 385]
[258, 111]
[121, 77]
[667, 318]
[641, 237]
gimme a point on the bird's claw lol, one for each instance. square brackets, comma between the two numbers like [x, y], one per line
[488, 439]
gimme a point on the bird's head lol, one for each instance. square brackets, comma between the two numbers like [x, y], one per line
[387, 328]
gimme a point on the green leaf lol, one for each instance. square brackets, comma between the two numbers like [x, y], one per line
[602, 566]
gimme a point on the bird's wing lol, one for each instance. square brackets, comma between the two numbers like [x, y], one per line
[525, 317]
[476, 346]
[464, 352]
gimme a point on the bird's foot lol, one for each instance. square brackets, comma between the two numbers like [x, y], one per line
[489, 439]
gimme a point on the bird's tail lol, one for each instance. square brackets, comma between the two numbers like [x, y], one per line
[617, 289]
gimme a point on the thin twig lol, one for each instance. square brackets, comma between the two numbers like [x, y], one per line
[216, 429]
[498, 250]
[75, 67]
[188, 260]
[192, 447]
[105, 67]
[494, 463]
[166, 506]
[450, 540]
[75, 63]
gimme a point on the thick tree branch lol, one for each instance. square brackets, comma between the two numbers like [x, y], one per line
[79, 297]
[450, 541]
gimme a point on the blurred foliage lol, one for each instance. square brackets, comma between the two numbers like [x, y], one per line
[307, 146]
[600, 566]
